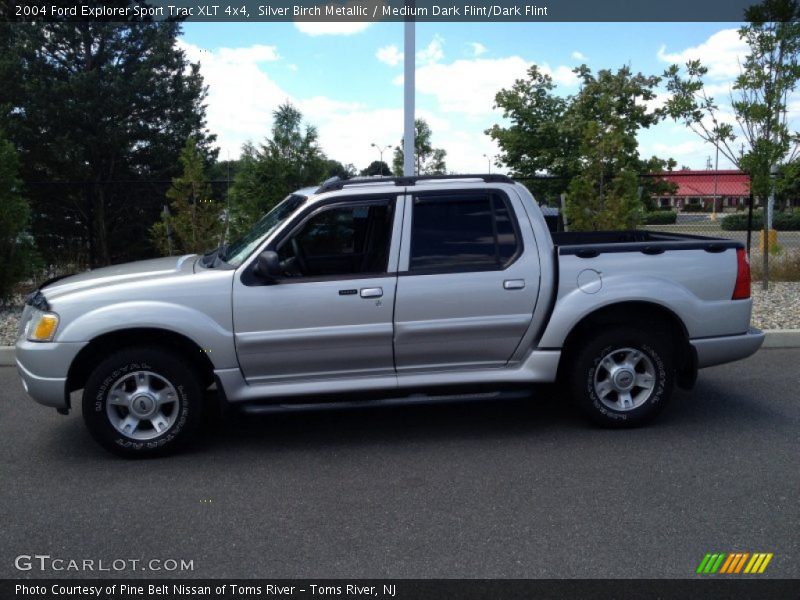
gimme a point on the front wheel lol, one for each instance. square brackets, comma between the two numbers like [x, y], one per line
[623, 377]
[142, 402]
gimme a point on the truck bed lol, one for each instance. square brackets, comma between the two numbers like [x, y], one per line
[587, 244]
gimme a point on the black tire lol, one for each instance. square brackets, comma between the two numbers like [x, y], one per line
[605, 408]
[182, 414]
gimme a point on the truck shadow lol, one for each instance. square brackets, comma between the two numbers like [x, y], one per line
[546, 412]
[496, 418]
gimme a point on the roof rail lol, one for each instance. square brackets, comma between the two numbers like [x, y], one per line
[338, 184]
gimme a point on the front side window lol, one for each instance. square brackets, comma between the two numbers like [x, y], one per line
[467, 232]
[340, 240]
[239, 250]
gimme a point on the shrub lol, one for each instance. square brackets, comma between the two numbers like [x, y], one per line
[786, 221]
[695, 208]
[660, 217]
[738, 221]
[781, 221]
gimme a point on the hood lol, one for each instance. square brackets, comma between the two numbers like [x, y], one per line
[148, 270]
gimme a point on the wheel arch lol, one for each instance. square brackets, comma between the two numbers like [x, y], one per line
[103, 345]
[643, 314]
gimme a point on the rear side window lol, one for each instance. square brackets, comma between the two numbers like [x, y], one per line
[465, 232]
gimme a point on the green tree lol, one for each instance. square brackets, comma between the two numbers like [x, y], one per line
[377, 167]
[336, 169]
[586, 141]
[787, 185]
[289, 160]
[769, 73]
[427, 159]
[193, 224]
[536, 141]
[17, 251]
[102, 106]
[652, 186]
[604, 118]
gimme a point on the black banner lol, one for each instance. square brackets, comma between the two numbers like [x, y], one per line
[485, 11]
[398, 589]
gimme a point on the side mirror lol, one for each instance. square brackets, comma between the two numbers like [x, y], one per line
[268, 266]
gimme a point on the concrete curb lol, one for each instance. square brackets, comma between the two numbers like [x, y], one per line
[776, 338]
[782, 338]
[7, 356]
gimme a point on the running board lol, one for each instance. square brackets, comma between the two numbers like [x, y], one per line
[261, 409]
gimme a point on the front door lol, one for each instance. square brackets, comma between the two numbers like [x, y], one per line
[330, 315]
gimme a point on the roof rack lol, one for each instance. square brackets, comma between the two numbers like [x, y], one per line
[338, 184]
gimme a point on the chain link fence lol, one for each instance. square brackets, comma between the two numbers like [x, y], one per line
[707, 203]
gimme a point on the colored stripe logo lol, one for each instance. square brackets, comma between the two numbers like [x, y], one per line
[735, 563]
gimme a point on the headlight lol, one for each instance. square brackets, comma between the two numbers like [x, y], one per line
[42, 326]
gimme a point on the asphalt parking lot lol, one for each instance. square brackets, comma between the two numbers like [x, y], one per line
[494, 489]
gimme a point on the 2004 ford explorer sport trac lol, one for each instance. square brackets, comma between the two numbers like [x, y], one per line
[375, 290]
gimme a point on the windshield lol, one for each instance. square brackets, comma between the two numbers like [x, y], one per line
[241, 248]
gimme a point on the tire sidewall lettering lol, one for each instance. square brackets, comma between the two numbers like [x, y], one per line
[101, 397]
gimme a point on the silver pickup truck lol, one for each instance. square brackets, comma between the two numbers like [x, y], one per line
[387, 290]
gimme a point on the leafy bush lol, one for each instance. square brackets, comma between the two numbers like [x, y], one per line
[781, 221]
[695, 208]
[738, 222]
[660, 217]
[786, 221]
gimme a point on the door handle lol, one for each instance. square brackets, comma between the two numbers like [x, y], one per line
[371, 292]
[514, 284]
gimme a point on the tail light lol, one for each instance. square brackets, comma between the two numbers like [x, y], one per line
[742, 289]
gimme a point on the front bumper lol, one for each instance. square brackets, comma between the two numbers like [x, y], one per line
[720, 350]
[43, 368]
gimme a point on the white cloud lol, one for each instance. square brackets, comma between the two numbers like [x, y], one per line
[721, 53]
[467, 86]
[478, 48]
[562, 75]
[320, 108]
[331, 28]
[251, 54]
[678, 150]
[466, 150]
[433, 52]
[578, 55]
[390, 55]
[241, 96]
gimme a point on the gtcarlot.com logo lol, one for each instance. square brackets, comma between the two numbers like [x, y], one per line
[45, 562]
[735, 563]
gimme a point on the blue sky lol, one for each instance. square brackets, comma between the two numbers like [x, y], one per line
[346, 78]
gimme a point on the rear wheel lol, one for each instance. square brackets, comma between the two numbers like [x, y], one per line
[623, 377]
[142, 402]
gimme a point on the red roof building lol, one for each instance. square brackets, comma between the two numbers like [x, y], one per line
[730, 188]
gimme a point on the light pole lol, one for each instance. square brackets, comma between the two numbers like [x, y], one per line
[489, 162]
[409, 91]
[381, 149]
[716, 177]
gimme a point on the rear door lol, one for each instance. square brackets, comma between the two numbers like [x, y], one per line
[468, 280]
